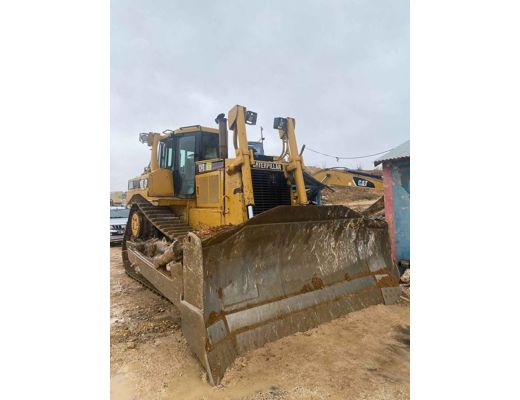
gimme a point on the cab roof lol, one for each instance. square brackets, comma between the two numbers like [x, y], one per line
[195, 128]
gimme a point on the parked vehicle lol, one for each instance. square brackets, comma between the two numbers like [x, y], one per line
[118, 218]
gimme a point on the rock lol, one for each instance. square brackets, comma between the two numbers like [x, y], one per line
[130, 345]
[405, 277]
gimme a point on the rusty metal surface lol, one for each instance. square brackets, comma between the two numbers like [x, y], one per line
[391, 295]
[286, 214]
[193, 329]
[270, 311]
[193, 271]
[169, 287]
[286, 270]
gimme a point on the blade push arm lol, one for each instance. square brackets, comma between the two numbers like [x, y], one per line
[286, 127]
[237, 119]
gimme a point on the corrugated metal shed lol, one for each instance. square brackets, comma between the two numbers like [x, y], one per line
[396, 183]
[401, 151]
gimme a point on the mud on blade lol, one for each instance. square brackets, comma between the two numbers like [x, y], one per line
[286, 270]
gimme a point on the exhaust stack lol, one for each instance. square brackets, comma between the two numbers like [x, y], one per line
[223, 135]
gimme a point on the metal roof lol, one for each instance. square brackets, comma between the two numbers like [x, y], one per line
[401, 151]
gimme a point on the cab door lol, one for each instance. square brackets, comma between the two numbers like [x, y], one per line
[184, 165]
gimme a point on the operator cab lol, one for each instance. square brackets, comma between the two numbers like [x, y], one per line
[257, 147]
[181, 150]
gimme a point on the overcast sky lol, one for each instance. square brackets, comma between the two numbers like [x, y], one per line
[341, 68]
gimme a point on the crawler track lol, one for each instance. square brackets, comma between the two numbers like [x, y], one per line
[158, 222]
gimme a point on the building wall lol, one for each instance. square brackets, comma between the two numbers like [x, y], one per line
[389, 205]
[117, 198]
[397, 206]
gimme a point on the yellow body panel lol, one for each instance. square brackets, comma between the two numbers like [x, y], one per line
[160, 183]
[132, 193]
[209, 189]
[219, 196]
[201, 218]
[343, 178]
[195, 128]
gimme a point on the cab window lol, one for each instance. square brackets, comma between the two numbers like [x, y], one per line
[186, 165]
[166, 154]
[209, 146]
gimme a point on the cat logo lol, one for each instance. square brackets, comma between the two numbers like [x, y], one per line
[362, 182]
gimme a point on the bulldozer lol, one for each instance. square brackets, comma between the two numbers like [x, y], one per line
[237, 247]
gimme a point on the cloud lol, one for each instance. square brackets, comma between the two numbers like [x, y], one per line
[341, 68]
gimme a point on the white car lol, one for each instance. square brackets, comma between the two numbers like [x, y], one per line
[118, 218]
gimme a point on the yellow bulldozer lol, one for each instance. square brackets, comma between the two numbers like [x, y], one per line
[237, 246]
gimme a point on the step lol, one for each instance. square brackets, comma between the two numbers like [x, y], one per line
[168, 221]
[169, 218]
[177, 233]
[158, 212]
[177, 229]
[154, 208]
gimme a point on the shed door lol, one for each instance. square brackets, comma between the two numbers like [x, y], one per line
[401, 194]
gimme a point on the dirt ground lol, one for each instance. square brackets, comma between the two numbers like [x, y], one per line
[356, 198]
[364, 355]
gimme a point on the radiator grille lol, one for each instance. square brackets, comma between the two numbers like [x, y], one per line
[270, 189]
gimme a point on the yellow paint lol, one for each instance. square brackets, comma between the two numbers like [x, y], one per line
[201, 218]
[234, 207]
[136, 224]
[132, 193]
[295, 163]
[236, 122]
[154, 164]
[160, 183]
[194, 128]
[209, 189]
[222, 194]
[338, 177]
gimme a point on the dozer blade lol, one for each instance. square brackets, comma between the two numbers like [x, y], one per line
[286, 270]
